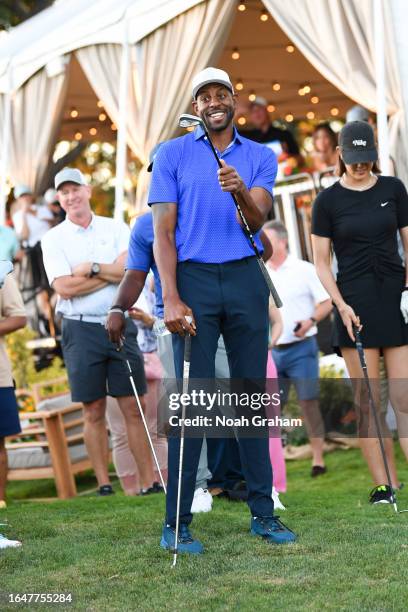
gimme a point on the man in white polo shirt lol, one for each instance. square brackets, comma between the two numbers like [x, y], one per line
[296, 354]
[84, 258]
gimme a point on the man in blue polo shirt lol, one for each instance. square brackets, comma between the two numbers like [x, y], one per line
[208, 272]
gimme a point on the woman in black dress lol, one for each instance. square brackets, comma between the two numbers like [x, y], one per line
[360, 216]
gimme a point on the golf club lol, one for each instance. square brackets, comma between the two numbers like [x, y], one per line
[5, 268]
[360, 350]
[186, 121]
[186, 376]
[132, 382]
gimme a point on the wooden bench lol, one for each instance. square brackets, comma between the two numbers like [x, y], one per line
[51, 444]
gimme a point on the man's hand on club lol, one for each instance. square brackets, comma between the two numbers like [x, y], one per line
[175, 317]
[115, 326]
[229, 179]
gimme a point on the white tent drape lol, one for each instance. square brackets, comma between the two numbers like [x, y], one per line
[163, 64]
[337, 37]
[36, 110]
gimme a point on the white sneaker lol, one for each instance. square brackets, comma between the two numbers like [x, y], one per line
[6, 543]
[276, 501]
[202, 501]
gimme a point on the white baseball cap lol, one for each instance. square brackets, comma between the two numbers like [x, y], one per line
[20, 190]
[50, 196]
[210, 75]
[69, 175]
[357, 113]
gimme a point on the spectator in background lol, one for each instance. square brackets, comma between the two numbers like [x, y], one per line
[84, 257]
[9, 245]
[125, 465]
[12, 317]
[296, 353]
[280, 141]
[325, 153]
[30, 221]
[51, 201]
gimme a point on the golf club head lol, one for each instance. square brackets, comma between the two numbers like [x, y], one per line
[187, 120]
[5, 268]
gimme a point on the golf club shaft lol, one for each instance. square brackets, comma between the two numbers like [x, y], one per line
[361, 355]
[186, 375]
[248, 233]
[132, 382]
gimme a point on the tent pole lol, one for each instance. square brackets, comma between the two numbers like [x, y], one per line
[5, 151]
[380, 76]
[121, 142]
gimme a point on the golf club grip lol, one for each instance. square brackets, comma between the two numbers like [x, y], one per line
[187, 349]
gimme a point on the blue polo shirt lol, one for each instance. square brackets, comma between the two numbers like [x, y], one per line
[185, 172]
[140, 255]
[9, 244]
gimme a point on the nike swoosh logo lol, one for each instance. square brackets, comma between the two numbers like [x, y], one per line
[384, 203]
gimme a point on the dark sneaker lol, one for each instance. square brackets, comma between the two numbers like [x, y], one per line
[238, 492]
[105, 490]
[381, 495]
[271, 529]
[186, 542]
[155, 488]
[318, 470]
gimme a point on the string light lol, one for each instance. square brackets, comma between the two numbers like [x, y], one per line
[113, 127]
[102, 117]
[310, 115]
[334, 111]
[290, 48]
[301, 91]
[270, 108]
[289, 117]
[276, 86]
[241, 6]
[241, 120]
[314, 100]
[93, 131]
[235, 53]
[307, 89]
[239, 85]
[74, 113]
[264, 16]
[78, 136]
[252, 96]
[99, 104]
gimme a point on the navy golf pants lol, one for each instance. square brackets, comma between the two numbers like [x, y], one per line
[229, 299]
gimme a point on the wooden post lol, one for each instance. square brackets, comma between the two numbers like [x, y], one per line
[61, 461]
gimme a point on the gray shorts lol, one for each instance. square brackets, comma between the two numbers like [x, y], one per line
[95, 367]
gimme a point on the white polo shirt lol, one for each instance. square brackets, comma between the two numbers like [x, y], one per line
[37, 224]
[300, 290]
[68, 244]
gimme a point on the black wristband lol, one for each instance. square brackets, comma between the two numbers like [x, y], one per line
[118, 307]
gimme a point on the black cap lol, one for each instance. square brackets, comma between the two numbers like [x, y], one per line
[152, 155]
[357, 143]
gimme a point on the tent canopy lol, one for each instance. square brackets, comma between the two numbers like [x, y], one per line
[72, 24]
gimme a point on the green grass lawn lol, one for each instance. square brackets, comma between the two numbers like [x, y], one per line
[349, 556]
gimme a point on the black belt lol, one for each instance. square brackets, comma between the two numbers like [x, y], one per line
[281, 347]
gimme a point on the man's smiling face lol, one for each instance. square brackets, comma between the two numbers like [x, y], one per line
[215, 104]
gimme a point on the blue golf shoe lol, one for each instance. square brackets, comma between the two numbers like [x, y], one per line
[186, 542]
[270, 528]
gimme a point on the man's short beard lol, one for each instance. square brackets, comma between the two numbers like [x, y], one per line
[229, 117]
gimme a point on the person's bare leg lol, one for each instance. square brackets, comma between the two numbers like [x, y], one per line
[369, 444]
[96, 439]
[137, 439]
[315, 428]
[3, 469]
[396, 363]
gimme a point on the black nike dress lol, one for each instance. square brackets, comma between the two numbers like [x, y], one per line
[362, 226]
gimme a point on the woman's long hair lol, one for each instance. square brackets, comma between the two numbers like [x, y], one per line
[341, 167]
